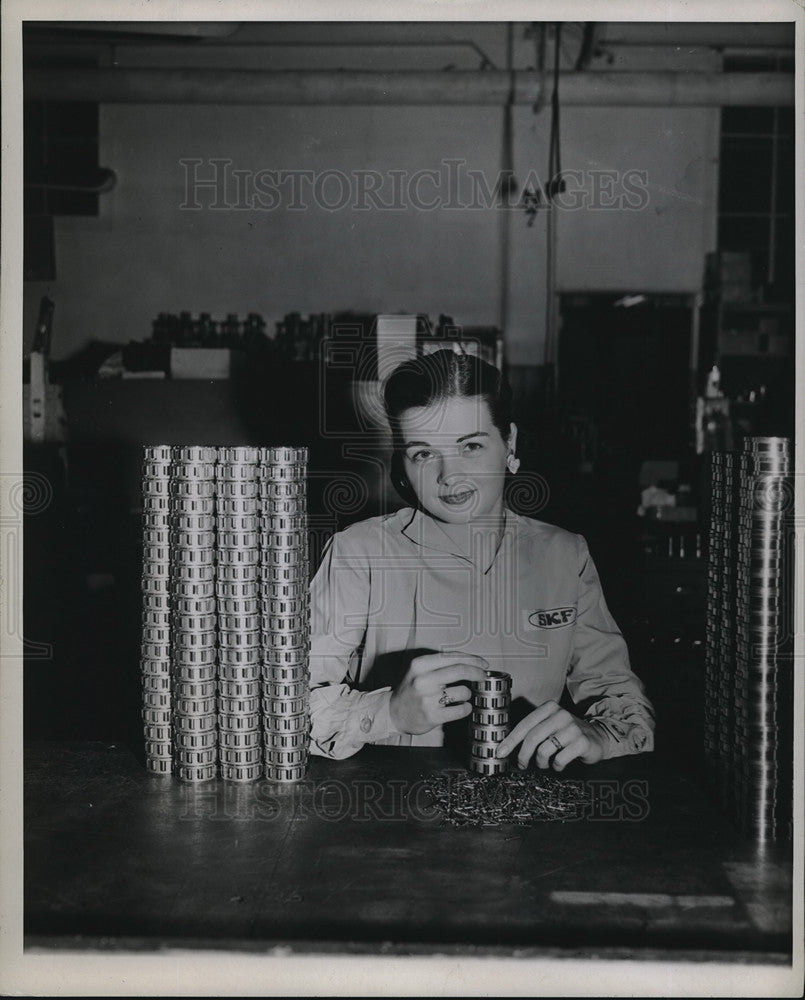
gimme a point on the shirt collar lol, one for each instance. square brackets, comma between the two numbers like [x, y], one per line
[424, 530]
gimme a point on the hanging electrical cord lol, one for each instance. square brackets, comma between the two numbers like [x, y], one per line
[555, 186]
[507, 185]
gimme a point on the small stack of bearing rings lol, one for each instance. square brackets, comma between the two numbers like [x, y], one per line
[489, 722]
[193, 633]
[237, 521]
[285, 622]
[155, 661]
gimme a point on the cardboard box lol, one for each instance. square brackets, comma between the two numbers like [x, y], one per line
[201, 362]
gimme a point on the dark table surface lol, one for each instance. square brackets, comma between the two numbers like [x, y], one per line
[355, 858]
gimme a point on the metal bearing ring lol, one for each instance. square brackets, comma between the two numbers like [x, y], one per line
[233, 722]
[286, 758]
[284, 774]
[195, 453]
[185, 639]
[158, 453]
[193, 522]
[284, 591]
[274, 674]
[194, 470]
[239, 656]
[234, 755]
[295, 657]
[159, 733]
[272, 506]
[238, 557]
[156, 699]
[284, 706]
[194, 723]
[239, 623]
[237, 772]
[153, 683]
[237, 489]
[193, 589]
[194, 706]
[287, 723]
[292, 690]
[239, 740]
[284, 454]
[194, 690]
[238, 706]
[239, 454]
[195, 606]
[196, 774]
[194, 623]
[156, 716]
[155, 668]
[159, 765]
[155, 505]
[285, 640]
[155, 650]
[229, 639]
[286, 741]
[156, 618]
[237, 590]
[236, 690]
[196, 741]
[249, 573]
[236, 674]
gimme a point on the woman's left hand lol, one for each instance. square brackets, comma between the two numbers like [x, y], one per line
[557, 737]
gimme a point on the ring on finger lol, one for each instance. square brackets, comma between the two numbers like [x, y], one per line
[556, 742]
[444, 699]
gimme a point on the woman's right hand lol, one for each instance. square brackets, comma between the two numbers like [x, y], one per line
[431, 693]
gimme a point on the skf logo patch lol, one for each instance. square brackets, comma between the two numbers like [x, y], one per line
[554, 618]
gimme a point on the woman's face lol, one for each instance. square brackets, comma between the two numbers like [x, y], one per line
[455, 458]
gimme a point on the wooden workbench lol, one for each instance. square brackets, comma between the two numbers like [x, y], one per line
[354, 858]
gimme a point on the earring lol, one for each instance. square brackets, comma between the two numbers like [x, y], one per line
[512, 463]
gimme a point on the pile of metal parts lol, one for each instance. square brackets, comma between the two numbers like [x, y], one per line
[226, 631]
[522, 798]
[749, 655]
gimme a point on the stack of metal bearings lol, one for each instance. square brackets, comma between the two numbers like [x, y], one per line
[763, 693]
[155, 661]
[749, 665]
[193, 618]
[489, 722]
[715, 576]
[285, 621]
[237, 522]
[225, 578]
[720, 647]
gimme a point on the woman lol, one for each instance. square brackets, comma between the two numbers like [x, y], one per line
[409, 608]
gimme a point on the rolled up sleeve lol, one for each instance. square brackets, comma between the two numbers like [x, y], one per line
[343, 718]
[600, 679]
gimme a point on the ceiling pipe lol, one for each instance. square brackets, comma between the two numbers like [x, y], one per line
[487, 87]
[174, 29]
[715, 34]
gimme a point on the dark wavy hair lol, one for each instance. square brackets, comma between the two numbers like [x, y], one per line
[433, 378]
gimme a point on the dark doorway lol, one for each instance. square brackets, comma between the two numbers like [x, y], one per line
[624, 372]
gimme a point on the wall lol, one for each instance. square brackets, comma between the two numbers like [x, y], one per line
[147, 253]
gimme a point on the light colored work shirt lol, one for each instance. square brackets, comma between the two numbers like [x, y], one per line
[393, 587]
